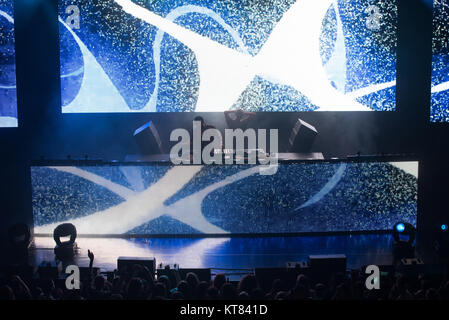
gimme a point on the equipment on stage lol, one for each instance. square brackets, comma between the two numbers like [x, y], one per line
[411, 262]
[299, 264]
[404, 236]
[65, 250]
[442, 242]
[281, 156]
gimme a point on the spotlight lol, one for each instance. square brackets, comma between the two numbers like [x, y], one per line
[404, 236]
[400, 227]
[442, 242]
[65, 250]
[404, 229]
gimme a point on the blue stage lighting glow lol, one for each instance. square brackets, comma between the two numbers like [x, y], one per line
[400, 227]
[444, 227]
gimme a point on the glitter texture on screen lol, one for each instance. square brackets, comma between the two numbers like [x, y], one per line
[8, 95]
[270, 55]
[439, 110]
[167, 199]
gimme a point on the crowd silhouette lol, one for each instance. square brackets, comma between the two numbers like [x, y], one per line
[137, 283]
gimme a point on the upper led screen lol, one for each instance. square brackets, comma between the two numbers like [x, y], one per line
[8, 95]
[439, 111]
[255, 55]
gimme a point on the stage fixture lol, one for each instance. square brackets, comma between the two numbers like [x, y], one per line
[442, 241]
[301, 137]
[411, 261]
[65, 250]
[148, 139]
[297, 264]
[404, 235]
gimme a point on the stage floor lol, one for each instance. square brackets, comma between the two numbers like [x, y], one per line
[225, 253]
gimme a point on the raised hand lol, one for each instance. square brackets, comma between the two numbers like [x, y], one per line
[91, 256]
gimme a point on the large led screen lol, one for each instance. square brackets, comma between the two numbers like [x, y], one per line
[439, 111]
[225, 199]
[8, 95]
[255, 55]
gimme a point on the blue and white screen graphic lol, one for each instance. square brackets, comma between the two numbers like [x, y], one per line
[254, 55]
[8, 95]
[439, 109]
[225, 199]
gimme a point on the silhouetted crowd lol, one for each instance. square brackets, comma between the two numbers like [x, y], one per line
[138, 283]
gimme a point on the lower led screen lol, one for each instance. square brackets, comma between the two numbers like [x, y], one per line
[166, 199]
[439, 111]
[255, 55]
[8, 95]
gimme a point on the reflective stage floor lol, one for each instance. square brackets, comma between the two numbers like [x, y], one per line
[225, 253]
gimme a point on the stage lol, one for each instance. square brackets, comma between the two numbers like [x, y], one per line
[227, 255]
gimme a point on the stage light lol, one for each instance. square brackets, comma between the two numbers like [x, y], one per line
[404, 229]
[65, 250]
[400, 227]
[404, 236]
[442, 242]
